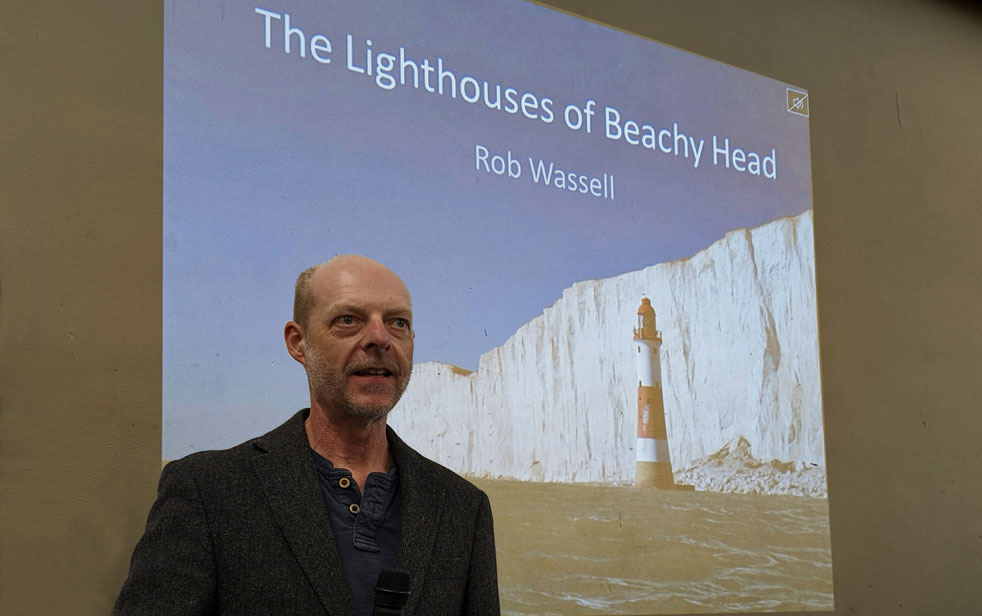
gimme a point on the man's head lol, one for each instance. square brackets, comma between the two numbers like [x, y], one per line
[352, 331]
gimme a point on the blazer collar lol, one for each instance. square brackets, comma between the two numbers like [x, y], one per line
[285, 470]
[423, 495]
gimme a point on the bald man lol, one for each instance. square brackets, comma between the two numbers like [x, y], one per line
[302, 519]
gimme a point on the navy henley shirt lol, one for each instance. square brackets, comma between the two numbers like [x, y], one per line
[367, 526]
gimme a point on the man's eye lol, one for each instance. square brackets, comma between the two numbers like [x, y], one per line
[401, 323]
[346, 320]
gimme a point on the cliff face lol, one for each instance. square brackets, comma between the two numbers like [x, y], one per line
[557, 401]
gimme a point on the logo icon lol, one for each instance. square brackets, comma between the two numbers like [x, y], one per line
[798, 102]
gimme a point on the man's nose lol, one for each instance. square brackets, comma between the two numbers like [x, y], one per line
[376, 334]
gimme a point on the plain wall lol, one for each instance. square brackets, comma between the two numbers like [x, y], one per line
[895, 90]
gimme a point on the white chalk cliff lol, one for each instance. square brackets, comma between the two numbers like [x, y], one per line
[558, 400]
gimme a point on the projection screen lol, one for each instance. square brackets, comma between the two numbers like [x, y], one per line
[609, 245]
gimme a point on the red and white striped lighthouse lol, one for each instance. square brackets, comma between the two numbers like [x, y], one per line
[653, 467]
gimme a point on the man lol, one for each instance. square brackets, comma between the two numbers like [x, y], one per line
[301, 520]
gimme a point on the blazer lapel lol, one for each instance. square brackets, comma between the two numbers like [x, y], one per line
[285, 470]
[422, 505]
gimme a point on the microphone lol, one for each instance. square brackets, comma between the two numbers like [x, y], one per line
[391, 592]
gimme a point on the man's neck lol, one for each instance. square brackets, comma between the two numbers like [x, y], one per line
[352, 444]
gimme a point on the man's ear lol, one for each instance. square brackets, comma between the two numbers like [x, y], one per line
[293, 336]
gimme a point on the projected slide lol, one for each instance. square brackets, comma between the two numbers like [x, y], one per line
[609, 245]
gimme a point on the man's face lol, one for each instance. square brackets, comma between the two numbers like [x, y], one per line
[358, 345]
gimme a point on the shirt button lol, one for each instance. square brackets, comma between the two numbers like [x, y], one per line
[344, 482]
[354, 508]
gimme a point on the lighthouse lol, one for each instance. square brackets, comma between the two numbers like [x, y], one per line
[653, 466]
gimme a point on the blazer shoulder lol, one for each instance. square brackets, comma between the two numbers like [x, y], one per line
[290, 435]
[426, 471]
[452, 480]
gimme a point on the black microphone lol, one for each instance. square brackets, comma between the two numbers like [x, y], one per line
[391, 592]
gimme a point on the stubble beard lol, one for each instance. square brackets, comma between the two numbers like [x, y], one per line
[330, 387]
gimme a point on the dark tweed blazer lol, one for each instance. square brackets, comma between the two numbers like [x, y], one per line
[245, 531]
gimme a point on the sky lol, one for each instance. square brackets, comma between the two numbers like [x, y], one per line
[274, 162]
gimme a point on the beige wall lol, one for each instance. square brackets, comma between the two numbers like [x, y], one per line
[896, 102]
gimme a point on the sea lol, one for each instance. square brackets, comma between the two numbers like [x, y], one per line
[612, 549]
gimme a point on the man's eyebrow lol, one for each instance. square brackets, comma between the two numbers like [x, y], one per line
[346, 308]
[401, 312]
